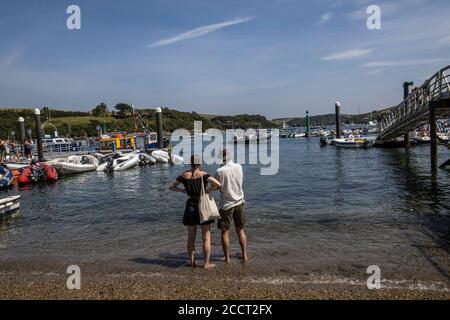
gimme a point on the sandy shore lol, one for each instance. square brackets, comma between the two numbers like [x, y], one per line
[196, 285]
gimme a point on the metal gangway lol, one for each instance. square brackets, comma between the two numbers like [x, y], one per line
[415, 110]
[424, 105]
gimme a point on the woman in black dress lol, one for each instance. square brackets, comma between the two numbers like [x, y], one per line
[192, 180]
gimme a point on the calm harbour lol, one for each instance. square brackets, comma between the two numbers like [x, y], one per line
[329, 213]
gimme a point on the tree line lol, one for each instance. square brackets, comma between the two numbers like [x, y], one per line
[120, 119]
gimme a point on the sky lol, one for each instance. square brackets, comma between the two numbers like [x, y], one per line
[278, 58]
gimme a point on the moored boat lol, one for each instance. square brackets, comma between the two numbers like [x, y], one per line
[120, 162]
[162, 156]
[75, 164]
[145, 159]
[9, 205]
[353, 143]
[38, 172]
[125, 163]
[297, 135]
[422, 139]
[7, 177]
[444, 138]
[16, 165]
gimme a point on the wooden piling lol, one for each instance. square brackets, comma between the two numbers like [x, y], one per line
[434, 142]
[22, 136]
[308, 124]
[159, 128]
[338, 119]
[406, 92]
[407, 140]
[37, 121]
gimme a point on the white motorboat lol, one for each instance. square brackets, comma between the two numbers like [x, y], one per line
[353, 143]
[16, 165]
[75, 164]
[111, 162]
[116, 164]
[298, 135]
[422, 139]
[9, 205]
[125, 163]
[145, 159]
[101, 167]
[108, 160]
[162, 156]
[443, 137]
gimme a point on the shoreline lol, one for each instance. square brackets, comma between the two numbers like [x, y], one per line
[199, 284]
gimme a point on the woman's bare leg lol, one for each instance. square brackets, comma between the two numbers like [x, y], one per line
[192, 231]
[206, 237]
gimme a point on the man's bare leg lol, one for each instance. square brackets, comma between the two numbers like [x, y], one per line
[206, 237]
[192, 231]
[243, 242]
[226, 244]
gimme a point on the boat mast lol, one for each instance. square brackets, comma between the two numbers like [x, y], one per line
[134, 119]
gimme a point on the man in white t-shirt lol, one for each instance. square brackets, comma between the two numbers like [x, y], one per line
[232, 204]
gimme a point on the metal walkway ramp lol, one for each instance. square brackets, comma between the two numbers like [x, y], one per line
[422, 106]
[431, 99]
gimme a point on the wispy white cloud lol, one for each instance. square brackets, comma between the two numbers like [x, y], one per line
[324, 18]
[401, 63]
[198, 32]
[348, 55]
[375, 71]
[10, 59]
[444, 41]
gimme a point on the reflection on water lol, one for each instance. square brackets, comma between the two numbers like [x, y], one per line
[328, 211]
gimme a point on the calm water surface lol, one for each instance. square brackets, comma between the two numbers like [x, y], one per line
[328, 211]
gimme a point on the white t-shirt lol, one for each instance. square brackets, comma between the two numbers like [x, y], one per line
[231, 177]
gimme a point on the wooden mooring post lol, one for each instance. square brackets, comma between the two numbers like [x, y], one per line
[337, 106]
[433, 136]
[37, 122]
[159, 127]
[406, 92]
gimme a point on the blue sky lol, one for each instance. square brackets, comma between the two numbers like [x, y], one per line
[274, 57]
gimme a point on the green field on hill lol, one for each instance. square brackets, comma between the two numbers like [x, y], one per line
[80, 124]
[85, 120]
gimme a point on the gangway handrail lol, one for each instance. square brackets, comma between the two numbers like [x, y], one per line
[417, 100]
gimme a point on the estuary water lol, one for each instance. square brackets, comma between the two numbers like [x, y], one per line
[327, 212]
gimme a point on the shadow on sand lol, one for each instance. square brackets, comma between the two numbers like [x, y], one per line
[171, 260]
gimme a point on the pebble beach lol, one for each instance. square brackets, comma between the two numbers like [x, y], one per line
[233, 282]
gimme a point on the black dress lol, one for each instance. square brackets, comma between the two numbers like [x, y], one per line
[193, 189]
